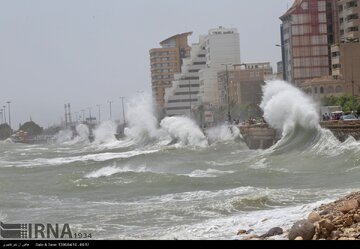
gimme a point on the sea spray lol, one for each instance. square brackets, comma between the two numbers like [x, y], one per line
[185, 130]
[142, 125]
[83, 131]
[105, 132]
[63, 136]
[223, 133]
[286, 107]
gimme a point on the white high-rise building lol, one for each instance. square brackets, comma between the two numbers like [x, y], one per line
[198, 82]
[222, 47]
[183, 96]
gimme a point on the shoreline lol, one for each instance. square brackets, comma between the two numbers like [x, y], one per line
[337, 220]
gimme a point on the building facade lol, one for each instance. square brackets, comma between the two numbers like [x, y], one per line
[244, 84]
[183, 96]
[166, 62]
[346, 52]
[222, 47]
[307, 32]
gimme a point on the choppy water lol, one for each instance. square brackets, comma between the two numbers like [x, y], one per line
[170, 181]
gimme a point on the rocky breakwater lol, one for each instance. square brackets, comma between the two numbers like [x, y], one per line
[339, 220]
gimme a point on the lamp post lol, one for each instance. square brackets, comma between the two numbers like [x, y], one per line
[228, 90]
[123, 109]
[283, 59]
[9, 102]
[99, 109]
[110, 105]
[190, 107]
[4, 113]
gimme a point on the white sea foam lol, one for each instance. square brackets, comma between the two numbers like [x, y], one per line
[185, 130]
[223, 133]
[112, 170]
[101, 157]
[209, 173]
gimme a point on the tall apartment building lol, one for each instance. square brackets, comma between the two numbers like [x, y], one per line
[166, 62]
[222, 47]
[307, 33]
[183, 96]
[346, 52]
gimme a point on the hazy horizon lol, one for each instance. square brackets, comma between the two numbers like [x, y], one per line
[89, 52]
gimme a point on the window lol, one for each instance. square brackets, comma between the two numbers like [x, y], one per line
[321, 90]
[339, 89]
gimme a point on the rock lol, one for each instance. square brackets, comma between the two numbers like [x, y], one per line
[325, 212]
[304, 229]
[349, 206]
[349, 221]
[327, 225]
[314, 217]
[272, 232]
[335, 235]
[241, 232]
[357, 218]
[251, 237]
[299, 238]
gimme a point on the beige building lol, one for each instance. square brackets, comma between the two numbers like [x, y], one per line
[245, 82]
[325, 86]
[166, 62]
[346, 52]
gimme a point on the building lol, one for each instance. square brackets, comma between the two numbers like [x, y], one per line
[307, 32]
[325, 86]
[346, 52]
[166, 62]
[183, 96]
[245, 83]
[222, 47]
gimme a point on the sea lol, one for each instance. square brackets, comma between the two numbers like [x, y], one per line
[169, 181]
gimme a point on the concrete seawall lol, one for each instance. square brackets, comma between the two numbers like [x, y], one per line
[343, 129]
[263, 137]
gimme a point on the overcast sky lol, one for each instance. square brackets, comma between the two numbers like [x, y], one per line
[87, 52]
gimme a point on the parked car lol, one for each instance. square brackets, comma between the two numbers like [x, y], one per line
[350, 117]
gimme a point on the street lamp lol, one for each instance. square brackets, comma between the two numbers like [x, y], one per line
[110, 103]
[4, 113]
[99, 108]
[228, 90]
[190, 98]
[9, 102]
[123, 109]
[283, 59]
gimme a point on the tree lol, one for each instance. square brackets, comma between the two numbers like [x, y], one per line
[32, 128]
[5, 131]
[344, 101]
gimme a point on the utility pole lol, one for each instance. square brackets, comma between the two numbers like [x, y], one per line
[2, 117]
[83, 115]
[228, 90]
[110, 103]
[99, 109]
[9, 102]
[66, 116]
[4, 113]
[70, 119]
[190, 98]
[123, 109]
